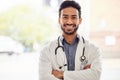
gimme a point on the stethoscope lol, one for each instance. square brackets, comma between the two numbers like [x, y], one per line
[82, 58]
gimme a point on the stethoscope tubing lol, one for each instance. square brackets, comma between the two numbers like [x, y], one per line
[58, 46]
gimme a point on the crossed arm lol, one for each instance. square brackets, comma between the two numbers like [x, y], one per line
[60, 74]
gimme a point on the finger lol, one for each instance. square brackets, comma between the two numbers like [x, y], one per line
[87, 67]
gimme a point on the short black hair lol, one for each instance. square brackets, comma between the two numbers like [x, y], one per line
[70, 3]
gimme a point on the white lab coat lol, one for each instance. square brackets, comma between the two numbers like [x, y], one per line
[48, 62]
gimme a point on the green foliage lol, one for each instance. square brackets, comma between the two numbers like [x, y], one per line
[26, 26]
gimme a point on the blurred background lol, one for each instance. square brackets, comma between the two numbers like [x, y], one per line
[27, 25]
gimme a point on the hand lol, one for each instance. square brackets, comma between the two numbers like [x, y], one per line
[87, 66]
[58, 74]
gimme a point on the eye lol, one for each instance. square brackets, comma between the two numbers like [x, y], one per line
[74, 17]
[65, 17]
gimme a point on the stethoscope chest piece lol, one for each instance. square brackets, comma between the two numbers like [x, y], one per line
[82, 58]
[84, 61]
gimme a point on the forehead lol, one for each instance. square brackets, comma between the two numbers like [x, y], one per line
[69, 11]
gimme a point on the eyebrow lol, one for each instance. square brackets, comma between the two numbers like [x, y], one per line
[64, 15]
[67, 15]
[74, 15]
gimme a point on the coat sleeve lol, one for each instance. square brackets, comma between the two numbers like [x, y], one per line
[89, 74]
[45, 68]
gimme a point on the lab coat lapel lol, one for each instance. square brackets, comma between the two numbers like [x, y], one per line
[78, 54]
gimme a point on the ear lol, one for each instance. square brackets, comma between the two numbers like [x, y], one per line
[80, 20]
[59, 20]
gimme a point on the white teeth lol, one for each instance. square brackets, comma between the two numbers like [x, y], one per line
[69, 26]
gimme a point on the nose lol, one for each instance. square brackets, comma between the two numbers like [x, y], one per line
[69, 21]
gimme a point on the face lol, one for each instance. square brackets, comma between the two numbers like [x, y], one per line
[69, 20]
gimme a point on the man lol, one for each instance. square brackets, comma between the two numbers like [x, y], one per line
[70, 57]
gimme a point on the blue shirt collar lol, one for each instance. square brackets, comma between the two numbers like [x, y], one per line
[77, 39]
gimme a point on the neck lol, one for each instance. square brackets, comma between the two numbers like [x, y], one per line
[70, 38]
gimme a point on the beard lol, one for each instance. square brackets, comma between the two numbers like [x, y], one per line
[70, 33]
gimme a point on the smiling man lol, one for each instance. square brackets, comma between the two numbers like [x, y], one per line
[70, 57]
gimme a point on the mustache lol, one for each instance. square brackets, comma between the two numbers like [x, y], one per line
[74, 25]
